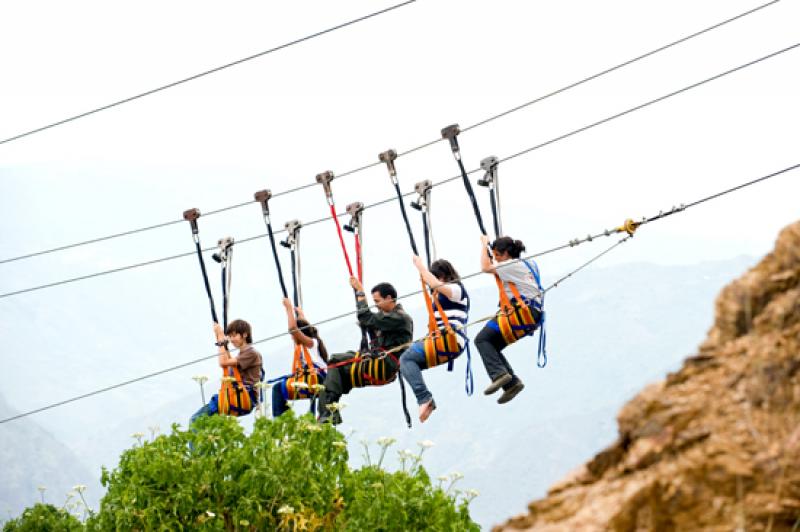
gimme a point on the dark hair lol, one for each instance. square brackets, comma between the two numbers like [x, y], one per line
[240, 327]
[442, 269]
[385, 290]
[312, 332]
[505, 244]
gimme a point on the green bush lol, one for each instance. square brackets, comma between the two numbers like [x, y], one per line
[43, 518]
[289, 474]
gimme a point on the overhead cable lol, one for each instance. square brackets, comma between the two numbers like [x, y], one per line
[450, 179]
[572, 243]
[207, 72]
[414, 149]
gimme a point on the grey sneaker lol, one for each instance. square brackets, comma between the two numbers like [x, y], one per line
[498, 383]
[511, 393]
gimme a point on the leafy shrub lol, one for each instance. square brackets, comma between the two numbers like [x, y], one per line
[43, 518]
[289, 474]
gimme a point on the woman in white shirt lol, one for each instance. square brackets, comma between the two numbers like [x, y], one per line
[508, 266]
[307, 337]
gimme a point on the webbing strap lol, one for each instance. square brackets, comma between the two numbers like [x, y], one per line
[294, 278]
[403, 399]
[495, 215]
[341, 237]
[468, 186]
[205, 278]
[359, 262]
[426, 232]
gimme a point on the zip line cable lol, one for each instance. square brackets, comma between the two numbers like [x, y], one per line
[450, 179]
[207, 72]
[572, 243]
[406, 152]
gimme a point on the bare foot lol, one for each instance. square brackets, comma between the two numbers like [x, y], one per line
[426, 410]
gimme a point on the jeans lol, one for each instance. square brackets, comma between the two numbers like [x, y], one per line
[412, 362]
[490, 343]
[210, 409]
[281, 405]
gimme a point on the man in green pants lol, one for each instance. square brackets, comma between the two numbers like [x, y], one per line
[389, 327]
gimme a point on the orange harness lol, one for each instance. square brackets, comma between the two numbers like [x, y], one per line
[234, 398]
[515, 319]
[301, 373]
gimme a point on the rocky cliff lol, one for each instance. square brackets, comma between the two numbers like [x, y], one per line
[714, 446]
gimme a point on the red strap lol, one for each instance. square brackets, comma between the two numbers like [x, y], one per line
[358, 259]
[341, 238]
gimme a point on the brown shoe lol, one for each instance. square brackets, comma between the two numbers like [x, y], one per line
[511, 392]
[498, 383]
[426, 410]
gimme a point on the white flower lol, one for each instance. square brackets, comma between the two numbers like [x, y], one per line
[377, 485]
[385, 441]
[210, 513]
[138, 436]
[339, 444]
[473, 493]
[425, 444]
[443, 478]
[200, 379]
[41, 488]
[333, 407]
[318, 388]
[285, 509]
[79, 488]
[456, 476]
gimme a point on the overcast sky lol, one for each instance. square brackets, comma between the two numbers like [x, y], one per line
[335, 102]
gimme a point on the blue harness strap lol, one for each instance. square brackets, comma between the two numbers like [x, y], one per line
[541, 355]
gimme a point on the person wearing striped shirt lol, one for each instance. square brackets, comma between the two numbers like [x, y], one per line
[454, 300]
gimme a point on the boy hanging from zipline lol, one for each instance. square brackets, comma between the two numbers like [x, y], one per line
[246, 368]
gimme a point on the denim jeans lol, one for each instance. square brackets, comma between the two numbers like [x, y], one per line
[206, 410]
[281, 405]
[412, 362]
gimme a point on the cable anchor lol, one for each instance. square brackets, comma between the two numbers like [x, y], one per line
[451, 133]
[389, 157]
[325, 179]
[263, 197]
[629, 226]
[191, 216]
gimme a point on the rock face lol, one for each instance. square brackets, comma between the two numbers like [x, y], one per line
[716, 445]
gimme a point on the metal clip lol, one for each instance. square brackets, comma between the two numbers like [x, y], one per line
[354, 210]
[423, 188]
[292, 227]
[489, 165]
[224, 244]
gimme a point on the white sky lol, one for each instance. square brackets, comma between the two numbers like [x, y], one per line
[392, 82]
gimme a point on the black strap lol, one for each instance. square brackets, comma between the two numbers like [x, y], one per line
[275, 255]
[205, 278]
[495, 217]
[405, 217]
[403, 398]
[294, 278]
[426, 231]
[224, 295]
[471, 193]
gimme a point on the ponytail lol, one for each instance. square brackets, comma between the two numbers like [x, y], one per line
[505, 244]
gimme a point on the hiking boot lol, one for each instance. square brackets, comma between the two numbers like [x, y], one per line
[511, 393]
[498, 383]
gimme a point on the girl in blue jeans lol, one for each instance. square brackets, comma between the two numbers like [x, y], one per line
[454, 301]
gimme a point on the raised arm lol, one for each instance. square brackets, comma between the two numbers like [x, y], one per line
[487, 266]
[299, 336]
[431, 279]
[225, 358]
